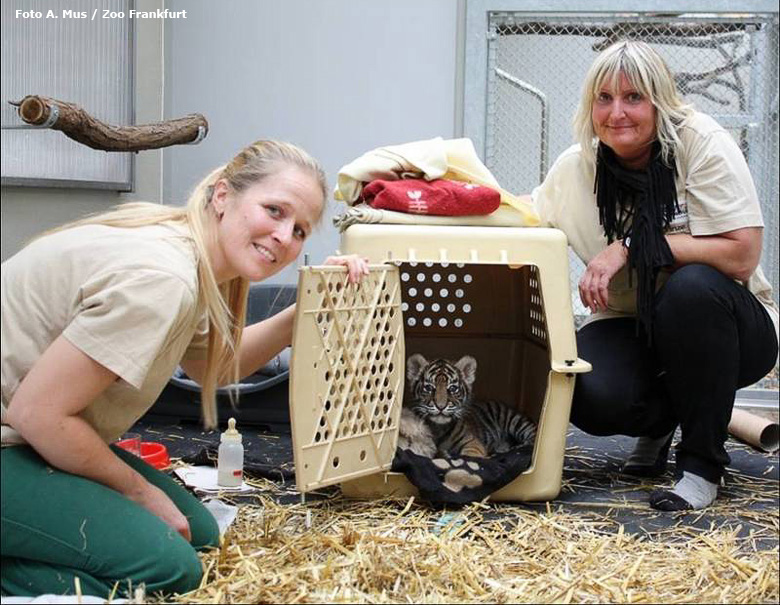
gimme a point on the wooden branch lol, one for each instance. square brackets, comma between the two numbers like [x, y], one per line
[78, 125]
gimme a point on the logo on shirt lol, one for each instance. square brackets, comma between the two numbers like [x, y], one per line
[679, 222]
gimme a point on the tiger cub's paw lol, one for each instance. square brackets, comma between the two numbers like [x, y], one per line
[458, 474]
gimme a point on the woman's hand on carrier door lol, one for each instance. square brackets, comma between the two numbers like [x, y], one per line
[357, 266]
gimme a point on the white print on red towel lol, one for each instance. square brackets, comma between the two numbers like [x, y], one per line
[417, 205]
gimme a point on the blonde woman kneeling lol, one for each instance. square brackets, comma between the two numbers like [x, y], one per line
[96, 316]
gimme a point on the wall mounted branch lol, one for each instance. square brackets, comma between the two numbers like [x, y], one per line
[78, 125]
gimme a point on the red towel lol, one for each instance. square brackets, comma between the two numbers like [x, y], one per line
[440, 197]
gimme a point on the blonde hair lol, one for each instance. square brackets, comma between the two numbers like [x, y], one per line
[648, 73]
[225, 303]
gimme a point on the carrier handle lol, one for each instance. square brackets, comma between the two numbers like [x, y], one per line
[571, 366]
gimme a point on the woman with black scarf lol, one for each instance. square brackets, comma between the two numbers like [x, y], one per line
[658, 202]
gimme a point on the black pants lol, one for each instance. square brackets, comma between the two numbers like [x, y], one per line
[710, 337]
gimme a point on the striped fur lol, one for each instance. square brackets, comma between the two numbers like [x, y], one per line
[441, 395]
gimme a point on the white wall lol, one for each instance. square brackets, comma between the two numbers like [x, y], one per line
[337, 77]
[26, 211]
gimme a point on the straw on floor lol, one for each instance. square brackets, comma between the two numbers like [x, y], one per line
[336, 550]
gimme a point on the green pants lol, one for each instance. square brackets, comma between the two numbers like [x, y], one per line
[57, 526]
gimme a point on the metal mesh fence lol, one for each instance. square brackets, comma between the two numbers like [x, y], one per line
[727, 66]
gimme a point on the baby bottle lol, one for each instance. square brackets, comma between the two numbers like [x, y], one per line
[230, 459]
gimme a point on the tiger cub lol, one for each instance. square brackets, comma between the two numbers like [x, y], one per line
[441, 398]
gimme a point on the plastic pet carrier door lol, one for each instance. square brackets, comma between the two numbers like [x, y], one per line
[346, 372]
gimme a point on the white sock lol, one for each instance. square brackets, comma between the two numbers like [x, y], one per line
[695, 490]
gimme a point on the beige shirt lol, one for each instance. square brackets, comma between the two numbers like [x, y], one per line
[715, 192]
[128, 298]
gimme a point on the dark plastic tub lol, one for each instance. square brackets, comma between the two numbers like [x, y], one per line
[262, 397]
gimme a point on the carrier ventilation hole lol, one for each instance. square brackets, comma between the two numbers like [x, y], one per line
[444, 306]
[537, 324]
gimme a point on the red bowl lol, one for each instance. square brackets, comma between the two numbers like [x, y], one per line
[155, 454]
[126, 444]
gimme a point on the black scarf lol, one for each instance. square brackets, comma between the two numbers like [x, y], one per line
[639, 205]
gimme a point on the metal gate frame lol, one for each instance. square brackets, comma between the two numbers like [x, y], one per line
[477, 31]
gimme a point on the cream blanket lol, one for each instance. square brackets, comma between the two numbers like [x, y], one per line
[431, 159]
[505, 216]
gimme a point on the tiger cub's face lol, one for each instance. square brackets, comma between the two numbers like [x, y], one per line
[441, 389]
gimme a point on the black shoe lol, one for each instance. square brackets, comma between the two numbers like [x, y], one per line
[668, 501]
[656, 469]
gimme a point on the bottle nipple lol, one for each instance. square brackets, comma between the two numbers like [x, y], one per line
[231, 434]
